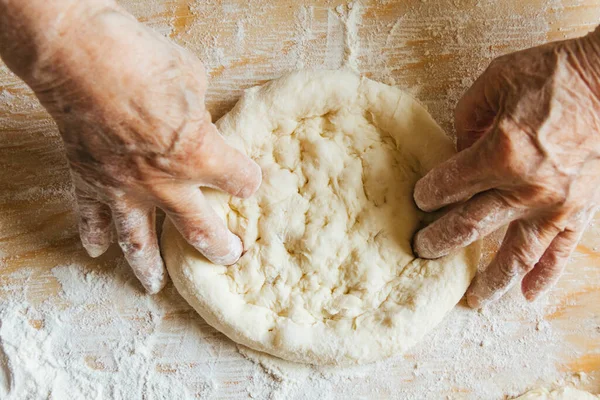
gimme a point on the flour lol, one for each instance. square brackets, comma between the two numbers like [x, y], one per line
[43, 348]
[485, 339]
[102, 339]
[351, 16]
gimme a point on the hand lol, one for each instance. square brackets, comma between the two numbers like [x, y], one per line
[130, 107]
[529, 140]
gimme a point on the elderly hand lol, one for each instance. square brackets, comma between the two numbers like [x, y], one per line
[529, 140]
[130, 107]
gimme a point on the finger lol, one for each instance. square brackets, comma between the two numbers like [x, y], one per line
[464, 224]
[476, 110]
[95, 227]
[550, 267]
[225, 167]
[137, 237]
[523, 245]
[458, 178]
[200, 225]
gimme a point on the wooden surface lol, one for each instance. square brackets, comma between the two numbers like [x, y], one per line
[434, 49]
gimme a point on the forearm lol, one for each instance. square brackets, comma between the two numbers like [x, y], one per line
[30, 30]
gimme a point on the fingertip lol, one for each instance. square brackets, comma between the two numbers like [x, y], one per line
[94, 250]
[253, 180]
[95, 227]
[530, 290]
[473, 299]
[530, 296]
[233, 251]
[155, 281]
[137, 239]
[424, 246]
[480, 293]
[149, 269]
[421, 194]
[419, 244]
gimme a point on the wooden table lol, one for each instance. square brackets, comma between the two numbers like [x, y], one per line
[434, 49]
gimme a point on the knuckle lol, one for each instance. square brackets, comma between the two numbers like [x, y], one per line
[134, 248]
[466, 229]
[555, 225]
[130, 246]
[507, 270]
[521, 259]
[468, 232]
[561, 250]
[503, 154]
[552, 258]
[202, 238]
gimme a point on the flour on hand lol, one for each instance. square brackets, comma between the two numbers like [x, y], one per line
[328, 276]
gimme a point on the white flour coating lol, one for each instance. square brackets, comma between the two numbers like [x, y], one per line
[46, 349]
[101, 338]
[558, 394]
[434, 49]
[328, 275]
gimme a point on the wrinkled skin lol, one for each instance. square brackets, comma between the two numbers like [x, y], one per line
[529, 145]
[130, 107]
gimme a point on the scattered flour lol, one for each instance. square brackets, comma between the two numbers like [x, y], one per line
[78, 347]
[101, 338]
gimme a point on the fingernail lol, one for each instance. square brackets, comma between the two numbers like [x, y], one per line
[154, 283]
[234, 250]
[473, 300]
[531, 295]
[423, 247]
[95, 250]
[420, 196]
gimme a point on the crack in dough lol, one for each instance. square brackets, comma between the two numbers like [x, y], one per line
[328, 276]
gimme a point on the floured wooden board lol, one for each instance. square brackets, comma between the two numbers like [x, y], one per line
[83, 326]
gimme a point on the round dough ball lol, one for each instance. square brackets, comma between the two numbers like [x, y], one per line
[328, 275]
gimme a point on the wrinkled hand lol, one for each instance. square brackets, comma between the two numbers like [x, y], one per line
[130, 107]
[529, 140]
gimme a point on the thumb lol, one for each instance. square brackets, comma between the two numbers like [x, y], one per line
[224, 167]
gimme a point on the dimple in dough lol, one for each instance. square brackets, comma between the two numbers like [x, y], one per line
[328, 276]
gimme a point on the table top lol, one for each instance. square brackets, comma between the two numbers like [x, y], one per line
[433, 49]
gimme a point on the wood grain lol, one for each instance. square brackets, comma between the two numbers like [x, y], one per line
[433, 49]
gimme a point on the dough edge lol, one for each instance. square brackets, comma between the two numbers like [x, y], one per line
[320, 344]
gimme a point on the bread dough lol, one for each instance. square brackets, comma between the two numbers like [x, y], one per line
[328, 276]
[565, 393]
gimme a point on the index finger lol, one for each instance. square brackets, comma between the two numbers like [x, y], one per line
[458, 178]
[200, 225]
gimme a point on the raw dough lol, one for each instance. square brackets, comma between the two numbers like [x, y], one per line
[565, 393]
[328, 276]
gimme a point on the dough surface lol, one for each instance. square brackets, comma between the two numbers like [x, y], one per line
[328, 276]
